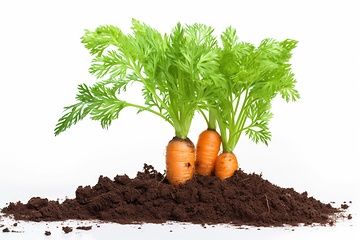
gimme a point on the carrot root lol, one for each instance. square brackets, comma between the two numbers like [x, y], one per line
[207, 150]
[180, 161]
[226, 164]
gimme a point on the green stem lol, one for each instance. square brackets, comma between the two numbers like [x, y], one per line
[237, 122]
[173, 109]
[223, 130]
[237, 103]
[212, 120]
[143, 80]
[149, 110]
[204, 115]
[182, 129]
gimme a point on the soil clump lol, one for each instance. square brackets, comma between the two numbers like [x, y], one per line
[243, 199]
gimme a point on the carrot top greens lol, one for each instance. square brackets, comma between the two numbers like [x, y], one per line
[179, 74]
[186, 71]
[253, 77]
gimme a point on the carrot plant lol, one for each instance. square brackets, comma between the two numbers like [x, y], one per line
[254, 76]
[178, 72]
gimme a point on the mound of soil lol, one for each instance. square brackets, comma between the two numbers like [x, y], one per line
[243, 199]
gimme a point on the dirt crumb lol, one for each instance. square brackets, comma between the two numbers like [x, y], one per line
[67, 229]
[344, 206]
[86, 228]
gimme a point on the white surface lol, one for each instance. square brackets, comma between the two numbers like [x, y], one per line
[42, 61]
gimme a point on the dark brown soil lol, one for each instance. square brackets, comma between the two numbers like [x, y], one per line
[243, 199]
[86, 228]
[67, 229]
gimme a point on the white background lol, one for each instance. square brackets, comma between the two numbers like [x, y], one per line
[315, 143]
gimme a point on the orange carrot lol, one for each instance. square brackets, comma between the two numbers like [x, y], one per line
[226, 164]
[180, 159]
[207, 150]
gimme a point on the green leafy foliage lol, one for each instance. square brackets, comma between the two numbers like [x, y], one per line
[184, 72]
[98, 101]
[254, 76]
[179, 74]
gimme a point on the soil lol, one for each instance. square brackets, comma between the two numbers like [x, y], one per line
[85, 228]
[67, 229]
[243, 199]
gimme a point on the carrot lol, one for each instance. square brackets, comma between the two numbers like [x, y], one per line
[226, 164]
[207, 150]
[254, 76]
[180, 158]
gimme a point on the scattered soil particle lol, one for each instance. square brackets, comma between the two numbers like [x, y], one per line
[6, 230]
[86, 228]
[67, 229]
[243, 199]
[344, 206]
[47, 233]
